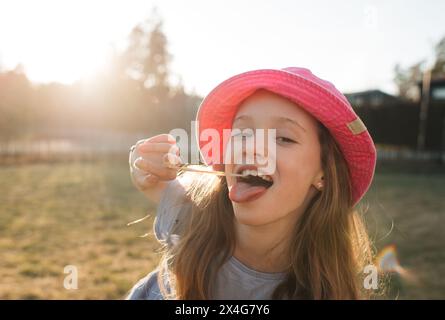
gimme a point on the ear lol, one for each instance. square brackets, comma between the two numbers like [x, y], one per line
[319, 181]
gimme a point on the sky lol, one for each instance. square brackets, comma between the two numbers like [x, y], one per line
[353, 44]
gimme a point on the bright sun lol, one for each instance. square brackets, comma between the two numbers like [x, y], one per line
[62, 40]
[59, 60]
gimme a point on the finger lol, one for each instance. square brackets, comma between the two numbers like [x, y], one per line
[158, 147]
[159, 170]
[147, 181]
[136, 172]
[166, 138]
[140, 142]
[134, 151]
[171, 160]
[134, 154]
[162, 138]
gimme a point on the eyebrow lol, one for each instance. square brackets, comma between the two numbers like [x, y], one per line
[282, 119]
[243, 117]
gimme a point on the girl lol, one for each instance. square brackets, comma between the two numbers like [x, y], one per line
[291, 234]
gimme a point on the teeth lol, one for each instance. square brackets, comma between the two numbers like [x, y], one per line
[267, 178]
[247, 172]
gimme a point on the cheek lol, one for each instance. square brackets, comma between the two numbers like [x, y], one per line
[295, 176]
[292, 187]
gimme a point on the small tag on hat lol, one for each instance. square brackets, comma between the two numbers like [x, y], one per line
[357, 126]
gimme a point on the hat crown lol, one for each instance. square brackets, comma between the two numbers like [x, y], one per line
[308, 75]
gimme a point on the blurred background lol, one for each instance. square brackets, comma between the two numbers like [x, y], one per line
[82, 81]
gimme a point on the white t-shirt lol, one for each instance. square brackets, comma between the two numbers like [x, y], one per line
[234, 280]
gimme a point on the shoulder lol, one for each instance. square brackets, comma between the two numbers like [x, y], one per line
[175, 205]
[146, 288]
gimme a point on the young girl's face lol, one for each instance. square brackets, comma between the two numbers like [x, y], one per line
[298, 163]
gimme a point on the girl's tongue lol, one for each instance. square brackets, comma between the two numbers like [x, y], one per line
[243, 192]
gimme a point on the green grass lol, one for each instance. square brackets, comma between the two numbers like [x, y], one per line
[408, 210]
[58, 214]
[53, 215]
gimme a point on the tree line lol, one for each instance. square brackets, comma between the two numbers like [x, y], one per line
[136, 95]
[133, 95]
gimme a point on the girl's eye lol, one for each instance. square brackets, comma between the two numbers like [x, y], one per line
[285, 140]
[241, 133]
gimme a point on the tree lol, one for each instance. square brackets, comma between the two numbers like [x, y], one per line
[155, 65]
[439, 65]
[408, 79]
[16, 114]
[134, 55]
[147, 57]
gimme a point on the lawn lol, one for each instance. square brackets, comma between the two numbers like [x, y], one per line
[76, 213]
[408, 210]
[59, 214]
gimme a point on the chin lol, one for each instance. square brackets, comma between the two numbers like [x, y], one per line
[249, 214]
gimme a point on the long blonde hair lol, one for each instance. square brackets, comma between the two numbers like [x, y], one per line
[328, 251]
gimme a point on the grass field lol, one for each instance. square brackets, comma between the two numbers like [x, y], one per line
[58, 214]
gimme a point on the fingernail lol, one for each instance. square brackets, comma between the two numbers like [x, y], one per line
[170, 138]
[172, 160]
[174, 149]
[136, 162]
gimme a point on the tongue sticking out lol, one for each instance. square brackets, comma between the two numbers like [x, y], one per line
[243, 192]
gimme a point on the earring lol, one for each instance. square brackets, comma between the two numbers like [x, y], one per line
[320, 185]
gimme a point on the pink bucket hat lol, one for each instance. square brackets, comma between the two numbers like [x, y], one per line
[317, 96]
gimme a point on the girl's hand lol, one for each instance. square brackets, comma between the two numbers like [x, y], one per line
[151, 162]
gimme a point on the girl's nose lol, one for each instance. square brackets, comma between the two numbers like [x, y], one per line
[256, 148]
[253, 147]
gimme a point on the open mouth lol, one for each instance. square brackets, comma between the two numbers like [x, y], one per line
[252, 185]
[254, 178]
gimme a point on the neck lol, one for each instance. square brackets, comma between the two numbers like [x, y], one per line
[263, 248]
